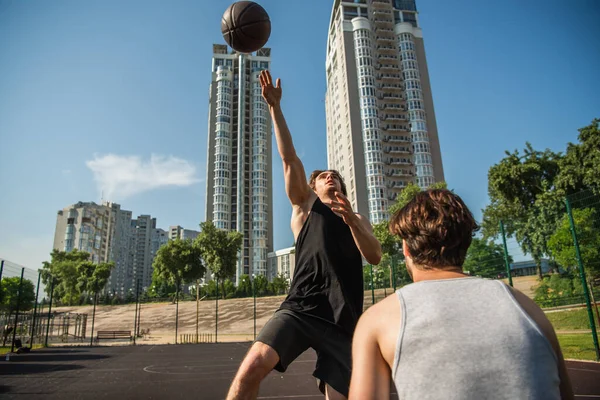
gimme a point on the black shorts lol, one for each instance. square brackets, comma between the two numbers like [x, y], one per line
[290, 334]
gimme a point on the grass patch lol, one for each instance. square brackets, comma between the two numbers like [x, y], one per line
[6, 349]
[578, 346]
[569, 320]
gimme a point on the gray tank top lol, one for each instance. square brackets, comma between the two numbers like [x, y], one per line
[468, 338]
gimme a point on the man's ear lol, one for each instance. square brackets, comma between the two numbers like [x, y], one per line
[405, 250]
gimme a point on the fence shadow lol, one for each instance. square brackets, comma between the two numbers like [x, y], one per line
[12, 368]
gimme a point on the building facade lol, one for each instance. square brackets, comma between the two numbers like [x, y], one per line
[85, 226]
[178, 232]
[142, 230]
[381, 127]
[238, 185]
[282, 262]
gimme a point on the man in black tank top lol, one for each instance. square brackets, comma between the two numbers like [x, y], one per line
[326, 293]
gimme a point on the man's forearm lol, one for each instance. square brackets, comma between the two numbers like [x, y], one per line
[285, 145]
[366, 242]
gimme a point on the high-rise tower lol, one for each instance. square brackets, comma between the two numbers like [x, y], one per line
[381, 128]
[239, 182]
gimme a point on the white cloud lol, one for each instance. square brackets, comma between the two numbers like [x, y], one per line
[119, 177]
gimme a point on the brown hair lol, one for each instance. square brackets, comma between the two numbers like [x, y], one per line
[317, 172]
[437, 227]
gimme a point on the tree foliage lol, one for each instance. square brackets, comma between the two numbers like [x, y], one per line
[179, 261]
[485, 259]
[521, 194]
[527, 191]
[9, 294]
[65, 269]
[563, 249]
[581, 163]
[219, 250]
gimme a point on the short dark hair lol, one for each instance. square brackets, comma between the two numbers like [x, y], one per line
[317, 172]
[437, 227]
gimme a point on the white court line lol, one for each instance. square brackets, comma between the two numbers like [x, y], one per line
[588, 395]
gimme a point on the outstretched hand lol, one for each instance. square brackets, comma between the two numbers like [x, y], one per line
[343, 208]
[271, 94]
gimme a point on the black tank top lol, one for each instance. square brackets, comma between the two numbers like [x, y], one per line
[328, 279]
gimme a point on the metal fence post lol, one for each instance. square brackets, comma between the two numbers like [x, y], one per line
[217, 310]
[583, 279]
[93, 319]
[372, 287]
[49, 310]
[254, 295]
[508, 273]
[12, 345]
[37, 292]
[176, 311]
[137, 284]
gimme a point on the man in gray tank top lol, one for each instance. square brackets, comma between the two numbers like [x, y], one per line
[449, 335]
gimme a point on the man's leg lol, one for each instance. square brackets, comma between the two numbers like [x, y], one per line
[334, 363]
[257, 364]
[332, 394]
[281, 340]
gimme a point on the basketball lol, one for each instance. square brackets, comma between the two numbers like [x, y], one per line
[246, 26]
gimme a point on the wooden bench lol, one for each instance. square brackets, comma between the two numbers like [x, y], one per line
[113, 335]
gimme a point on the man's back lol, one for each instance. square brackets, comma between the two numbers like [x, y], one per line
[468, 338]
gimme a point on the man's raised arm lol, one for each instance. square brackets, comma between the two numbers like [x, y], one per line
[296, 187]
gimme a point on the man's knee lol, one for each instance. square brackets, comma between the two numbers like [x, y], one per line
[259, 361]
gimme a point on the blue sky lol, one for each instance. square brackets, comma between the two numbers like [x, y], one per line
[111, 96]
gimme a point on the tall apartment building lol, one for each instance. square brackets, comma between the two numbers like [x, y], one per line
[121, 251]
[381, 127]
[282, 262]
[142, 230]
[178, 232]
[104, 231]
[85, 226]
[239, 182]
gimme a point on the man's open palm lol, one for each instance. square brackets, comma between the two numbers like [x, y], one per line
[271, 94]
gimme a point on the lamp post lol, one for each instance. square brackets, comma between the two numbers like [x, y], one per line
[254, 295]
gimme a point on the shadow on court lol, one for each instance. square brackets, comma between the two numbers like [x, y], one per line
[201, 371]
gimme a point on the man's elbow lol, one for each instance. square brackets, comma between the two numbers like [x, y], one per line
[374, 258]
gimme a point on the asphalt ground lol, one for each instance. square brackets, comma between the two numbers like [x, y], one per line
[202, 371]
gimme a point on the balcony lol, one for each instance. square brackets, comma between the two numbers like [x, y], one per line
[396, 161]
[396, 139]
[385, 39]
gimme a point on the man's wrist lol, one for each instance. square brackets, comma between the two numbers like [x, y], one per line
[354, 221]
[275, 108]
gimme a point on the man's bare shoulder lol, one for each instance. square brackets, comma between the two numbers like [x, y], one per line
[382, 320]
[300, 214]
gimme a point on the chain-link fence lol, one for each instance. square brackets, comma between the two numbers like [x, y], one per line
[19, 311]
[29, 316]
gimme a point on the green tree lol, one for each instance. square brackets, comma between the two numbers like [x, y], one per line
[219, 250]
[557, 290]
[261, 285]
[161, 287]
[228, 289]
[244, 288]
[10, 294]
[485, 259]
[521, 190]
[179, 261]
[280, 285]
[588, 235]
[581, 163]
[64, 268]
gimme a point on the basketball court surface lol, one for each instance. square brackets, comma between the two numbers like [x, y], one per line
[202, 371]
